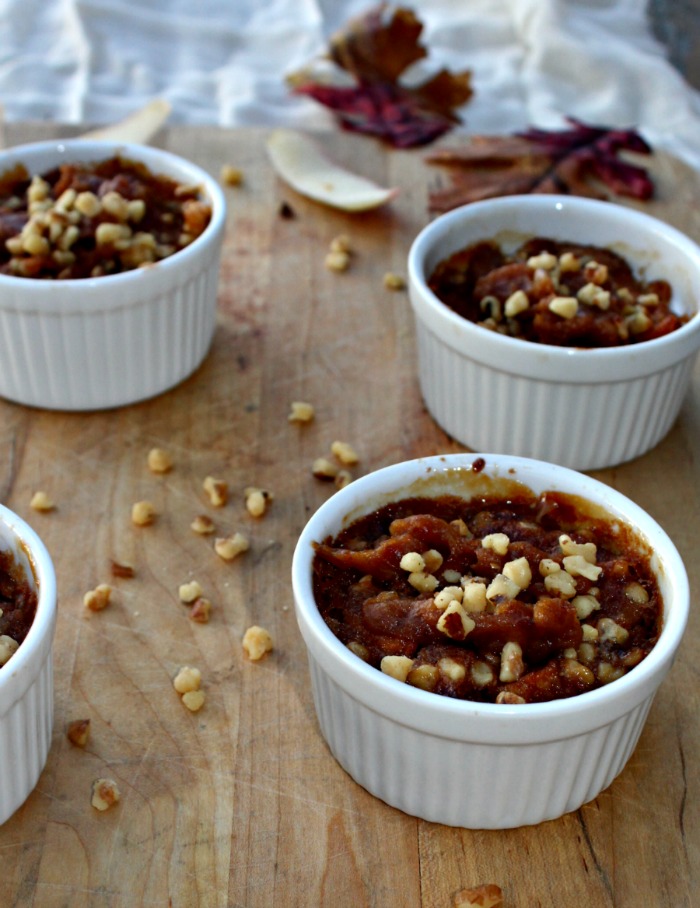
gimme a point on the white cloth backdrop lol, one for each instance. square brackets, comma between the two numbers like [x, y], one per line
[224, 62]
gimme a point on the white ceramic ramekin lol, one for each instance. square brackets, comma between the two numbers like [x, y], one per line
[582, 408]
[105, 342]
[26, 680]
[479, 765]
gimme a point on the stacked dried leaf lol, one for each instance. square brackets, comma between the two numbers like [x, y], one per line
[376, 49]
[581, 160]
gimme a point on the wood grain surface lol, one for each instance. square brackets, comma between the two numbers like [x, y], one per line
[241, 804]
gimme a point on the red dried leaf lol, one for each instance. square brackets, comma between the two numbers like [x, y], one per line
[577, 161]
[376, 49]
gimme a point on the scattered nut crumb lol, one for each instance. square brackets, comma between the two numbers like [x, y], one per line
[143, 513]
[257, 501]
[230, 547]
[201, 609]
[323, 468]
[203, 525]
[337, 261]
[78, 732]
[340, 243]
[486, 896]
[193, 700]
[217, 490]
[343, 478]
[394, 281]
[98, 598]
[231, 176]
[256, 642]
[301, 412]
[159, 461]
[188, 592]
[41, 502]
[187, 679]
[105, 794]
[119, 569]
[345, 453]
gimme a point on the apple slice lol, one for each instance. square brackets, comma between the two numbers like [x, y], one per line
[138, 127]
[300, 163]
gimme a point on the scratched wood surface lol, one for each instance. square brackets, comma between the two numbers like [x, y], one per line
[242, 804]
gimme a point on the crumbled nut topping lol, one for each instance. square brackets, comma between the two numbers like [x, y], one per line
[257, 501]
[216, 490]
[143, 513]
[231, 547]
[564, 306]
[301, 412]
[189, 591]
[159, 461]
[98, 598]
[394, 281]
[41, 502]
[231, 176]
[119, 569]
[345, 453]
[203, 525]
[340, 243]
[78, 732]
[323, 468]
[193, 700]
[257, 642]
[337, 261]
[8, 647]
[201, 610]
[187, 679]
[396, 666]
[105, 794]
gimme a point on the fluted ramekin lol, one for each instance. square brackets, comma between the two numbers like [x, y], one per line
[582, 408]
[26, 680]
[479, 765]
[104, 342]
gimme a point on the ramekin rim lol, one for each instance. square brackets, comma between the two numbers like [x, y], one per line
[178, 260]
[591, 702]
[422, 242]
[45, 578]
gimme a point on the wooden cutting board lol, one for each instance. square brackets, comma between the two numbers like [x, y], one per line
[241, 804]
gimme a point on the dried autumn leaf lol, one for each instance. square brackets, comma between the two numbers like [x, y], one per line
[576, 161]
[375, 50]
[299, 161]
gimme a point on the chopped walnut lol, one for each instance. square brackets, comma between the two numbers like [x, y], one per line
[345, 453]
[159, 461]
[343, 478]
[190, 591]
[231, 547]
[201, 610]
[193, 700]
[119, 569]
[257, 642]
[257, 501]
[8, 647]
[143, 513]
[396, 666]
[496, 542]
[78, 732]
[394, 281]
[337, 261]
[105, 794]
[340, 243]
[41, 502]
[322, 468]
[231, 176]
[301, 412]
[203, 525]
[98, 598]
[217, 490]
[487, 896]
[187, 679]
